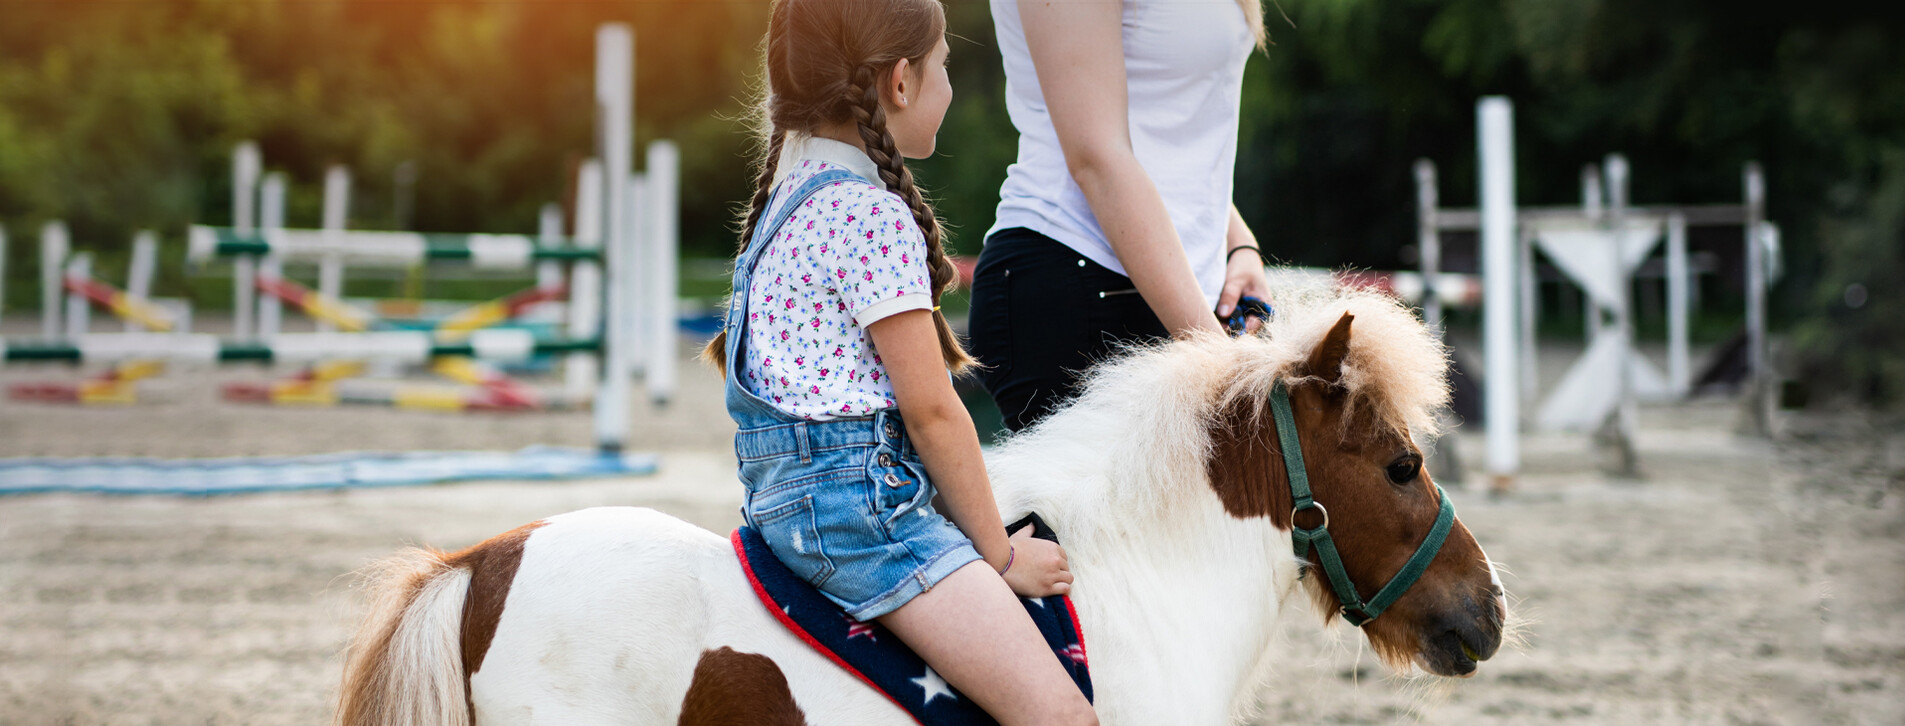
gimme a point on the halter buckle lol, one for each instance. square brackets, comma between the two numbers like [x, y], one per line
[1318, 506]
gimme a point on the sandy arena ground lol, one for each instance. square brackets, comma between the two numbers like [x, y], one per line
[1739, 582]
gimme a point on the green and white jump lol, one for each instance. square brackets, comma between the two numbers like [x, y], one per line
[620, 260]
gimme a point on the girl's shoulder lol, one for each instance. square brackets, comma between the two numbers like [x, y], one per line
[854, 207]
[850, 189]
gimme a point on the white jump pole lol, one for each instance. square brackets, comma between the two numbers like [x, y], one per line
[1428, 243]
[78, 309]
[337, 206]
[615, 109]
[54, 247]
[1496, 142]
[641, 313]
[145, 261]
[1757, 378]
[581, 370]
[247, 165]
[664, 240]
[271, 219]
[1627, 409]
[549, 234]
[1679, 373]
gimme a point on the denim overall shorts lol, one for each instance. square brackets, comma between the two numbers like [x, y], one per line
[845, 503]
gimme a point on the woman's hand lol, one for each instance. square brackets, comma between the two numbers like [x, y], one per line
[1243, 271]
[1038, 566]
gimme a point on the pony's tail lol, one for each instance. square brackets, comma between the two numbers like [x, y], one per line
[405, 664]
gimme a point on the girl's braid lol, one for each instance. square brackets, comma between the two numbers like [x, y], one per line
[717, 351]
[885, 153]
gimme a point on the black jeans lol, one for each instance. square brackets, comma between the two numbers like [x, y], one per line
[1041, 315]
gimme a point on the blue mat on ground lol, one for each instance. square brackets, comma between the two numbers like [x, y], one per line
[876, 656]
[241, 475]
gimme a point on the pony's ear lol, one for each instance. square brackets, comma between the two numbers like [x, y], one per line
[1326, 361]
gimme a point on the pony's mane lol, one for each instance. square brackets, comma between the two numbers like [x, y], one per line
[1147, 412]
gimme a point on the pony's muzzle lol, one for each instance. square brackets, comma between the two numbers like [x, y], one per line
[1468, 636]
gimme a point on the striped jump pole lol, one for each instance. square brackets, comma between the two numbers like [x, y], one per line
[494, 312]
[326, 310]
[138, 312]
[379, 249]
[403, 346]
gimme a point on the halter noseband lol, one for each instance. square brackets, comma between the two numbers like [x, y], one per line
[1355, 610]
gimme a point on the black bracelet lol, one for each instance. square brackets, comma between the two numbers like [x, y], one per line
[1234, 250]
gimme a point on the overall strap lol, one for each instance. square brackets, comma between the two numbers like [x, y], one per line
[787, 208]
[744, 265]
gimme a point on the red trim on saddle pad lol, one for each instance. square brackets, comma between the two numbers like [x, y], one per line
[1079, 631]
[774, 607]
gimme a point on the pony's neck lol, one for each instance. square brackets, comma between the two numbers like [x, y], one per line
[1178, 599]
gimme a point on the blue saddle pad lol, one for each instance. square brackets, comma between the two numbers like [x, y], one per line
[876, 656]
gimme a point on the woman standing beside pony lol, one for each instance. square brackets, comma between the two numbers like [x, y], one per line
[1116, 223]
[836, 361]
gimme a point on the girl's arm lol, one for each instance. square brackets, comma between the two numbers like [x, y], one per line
[1078, 49]
[948, 445]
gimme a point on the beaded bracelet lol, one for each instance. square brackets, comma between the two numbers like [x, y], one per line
[1011, 556]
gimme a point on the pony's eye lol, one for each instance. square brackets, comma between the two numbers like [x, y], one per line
[1404, 470]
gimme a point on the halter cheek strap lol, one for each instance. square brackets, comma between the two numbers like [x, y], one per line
[1355, 610]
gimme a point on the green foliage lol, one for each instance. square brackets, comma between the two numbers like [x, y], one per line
[117, 116]
[122, 116]
[1851, 342]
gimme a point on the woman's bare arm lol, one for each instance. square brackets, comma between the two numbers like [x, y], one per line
[1078, 48]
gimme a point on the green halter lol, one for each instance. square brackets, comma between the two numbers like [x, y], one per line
[1355, 610]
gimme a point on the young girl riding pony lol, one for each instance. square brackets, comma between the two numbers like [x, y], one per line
[837, 359]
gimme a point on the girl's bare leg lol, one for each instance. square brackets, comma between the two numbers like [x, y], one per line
[974, 632]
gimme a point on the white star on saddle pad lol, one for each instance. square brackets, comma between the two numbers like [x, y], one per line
[934, 685]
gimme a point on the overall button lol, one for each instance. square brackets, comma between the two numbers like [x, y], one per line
[892, 481]
[892, 432]
[886, 460]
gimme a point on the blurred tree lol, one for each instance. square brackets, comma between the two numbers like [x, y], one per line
[121, 115]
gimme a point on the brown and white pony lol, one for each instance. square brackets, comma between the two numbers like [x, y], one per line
[1163, 480]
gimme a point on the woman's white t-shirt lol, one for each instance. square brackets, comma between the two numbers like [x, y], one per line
[850, 256]
[1184, 65]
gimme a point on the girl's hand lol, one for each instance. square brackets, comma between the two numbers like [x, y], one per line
[1038, 566]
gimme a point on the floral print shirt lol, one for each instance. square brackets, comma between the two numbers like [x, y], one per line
[849, 257]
